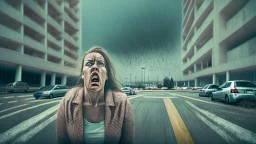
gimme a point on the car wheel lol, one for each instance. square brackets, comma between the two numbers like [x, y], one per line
[199, 95]
[50, 96]
[36, 97]
[227, 99]
[211, 95]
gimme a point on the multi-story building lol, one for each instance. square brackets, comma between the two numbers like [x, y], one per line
[218, 41]
[40, 41]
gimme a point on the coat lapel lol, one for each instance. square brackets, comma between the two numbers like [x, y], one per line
[77, 116]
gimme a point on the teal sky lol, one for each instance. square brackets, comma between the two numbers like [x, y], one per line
[136, 33]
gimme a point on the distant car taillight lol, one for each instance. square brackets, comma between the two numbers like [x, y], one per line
[234, 90]
[202, 90]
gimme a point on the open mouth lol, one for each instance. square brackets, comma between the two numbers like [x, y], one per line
[95, 79]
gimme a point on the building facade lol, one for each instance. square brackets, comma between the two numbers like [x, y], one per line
[218, 41]
[40, 41]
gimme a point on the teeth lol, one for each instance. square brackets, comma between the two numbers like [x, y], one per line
[95, 76]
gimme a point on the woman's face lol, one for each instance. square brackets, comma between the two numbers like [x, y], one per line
[94, 71]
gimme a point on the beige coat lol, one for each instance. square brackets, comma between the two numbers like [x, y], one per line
[119, 119]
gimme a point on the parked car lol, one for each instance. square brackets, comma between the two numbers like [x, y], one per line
[17, 86]
[128, 91]
[208, 89]
[154, 88]
[234, 91]
[197, 88]
[164, 88]
[51, 91]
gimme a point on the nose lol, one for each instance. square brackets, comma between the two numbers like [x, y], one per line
[94, 68]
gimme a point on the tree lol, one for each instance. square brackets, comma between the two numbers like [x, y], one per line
[172, 84]
[159, 85]
[168, 83]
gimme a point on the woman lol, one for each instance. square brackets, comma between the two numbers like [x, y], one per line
[96, 111]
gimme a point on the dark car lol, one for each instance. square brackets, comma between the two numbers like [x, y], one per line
[51, 91]
[17, 86]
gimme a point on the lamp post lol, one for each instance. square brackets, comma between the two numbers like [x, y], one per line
[144, 75]
[135, 81]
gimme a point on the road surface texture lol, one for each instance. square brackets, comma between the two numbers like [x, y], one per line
[161, 117]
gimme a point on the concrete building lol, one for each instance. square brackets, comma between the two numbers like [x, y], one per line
[40, 41]
[218, 41]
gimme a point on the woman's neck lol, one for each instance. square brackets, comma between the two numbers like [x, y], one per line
[94, 98]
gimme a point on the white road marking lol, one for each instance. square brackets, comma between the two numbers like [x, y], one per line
[40, 100]
[13, 113]
[157, 97]
[20, 128]
[12, 101]
[217, 129]
[25, 96]
[7, 97]
[29, 98]
[134, 97]
[25, 137]
[194, 99]
[12, 108]
[239, 132]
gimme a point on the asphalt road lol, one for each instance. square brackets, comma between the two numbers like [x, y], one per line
[160, 117]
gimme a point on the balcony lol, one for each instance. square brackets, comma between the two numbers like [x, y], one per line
[72, 12]
[55, 5]
[54, 40]
[244, 19]
[10, 11]
[35, 63]
[70, 21]
[244, 50]
[35, 7]
[70, 40]
[54, 23]
[54, 52]
[34, 44]
[10, 34]
[33, 25]
[202, 8]
[204, 50]
[72, 52]
[69, 59]
[191, 4]
[201, 30]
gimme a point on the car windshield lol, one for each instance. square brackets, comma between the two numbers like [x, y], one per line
[46, 88]
[245, 84]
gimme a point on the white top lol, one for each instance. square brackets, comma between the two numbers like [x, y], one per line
[94, 132]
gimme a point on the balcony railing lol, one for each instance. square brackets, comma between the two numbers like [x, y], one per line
[54, 52]
[74, 54]
[54, 23]
[205, 4]
[200, 30]
[71, 11]
[69, 20]
[55, 5]
[244, 50]
[33, 25]
[35, 7]
[241, 18]
[53, 40]
[205, 48]
[68, 59]
[10, 34]
[10, 11]
[34, 44]
[70, 39]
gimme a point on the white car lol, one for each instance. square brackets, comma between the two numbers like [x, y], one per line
[234, 91]
[128, 91]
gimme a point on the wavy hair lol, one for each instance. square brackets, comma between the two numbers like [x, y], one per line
[111, 83]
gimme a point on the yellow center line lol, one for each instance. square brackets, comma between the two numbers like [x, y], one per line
[180, 130]
[12, 101]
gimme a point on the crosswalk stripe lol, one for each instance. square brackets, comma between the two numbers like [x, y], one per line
[12, 101]
[180, 130]
[20, 128]
[239, 132]
[13, 113]
[12, 108]
[25, 137]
